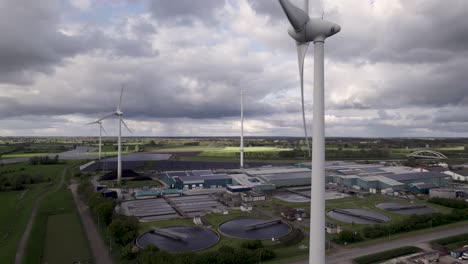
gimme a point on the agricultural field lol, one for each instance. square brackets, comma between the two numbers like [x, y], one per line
[30, 150]
[234, 151]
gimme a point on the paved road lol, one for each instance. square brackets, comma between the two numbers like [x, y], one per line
[24, 239]
[345, 256]
[98, 247]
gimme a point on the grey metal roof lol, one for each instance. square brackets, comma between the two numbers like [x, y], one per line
[287, 176]
[426, 185]
[215, 176]
[201, 172]
[416, 176]
[176, 173]
[191, 179]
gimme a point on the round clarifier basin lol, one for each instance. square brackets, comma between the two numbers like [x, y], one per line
[194, 239]
[358, 216]
[255, 228]
[406, 208]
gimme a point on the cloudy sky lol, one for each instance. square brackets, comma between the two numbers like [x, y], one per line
[397, 68]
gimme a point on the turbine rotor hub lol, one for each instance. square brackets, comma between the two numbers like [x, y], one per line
[314, 30]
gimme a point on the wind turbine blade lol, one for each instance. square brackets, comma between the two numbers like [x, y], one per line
[102, 127]
[120, 101]
[107, 116]
[95, 122]
[123, 122]
[296, 15]
[301, 53]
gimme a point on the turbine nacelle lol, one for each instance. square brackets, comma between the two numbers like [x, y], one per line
[118, 113]
[315, 29]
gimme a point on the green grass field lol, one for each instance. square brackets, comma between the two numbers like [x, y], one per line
[179, 148]
[14, 214]
[17, 205]
[22, 155]
[64, 240]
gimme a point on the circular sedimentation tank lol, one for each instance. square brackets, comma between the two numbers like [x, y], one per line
[179, 239]
[255, 228]
[406, 208]
[358, 216]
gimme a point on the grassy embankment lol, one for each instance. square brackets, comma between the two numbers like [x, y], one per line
[14, 217]
[17, 205]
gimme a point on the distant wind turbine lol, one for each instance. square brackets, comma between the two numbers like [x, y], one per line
[101, 129]
[118, 112]
[305, 30]
[242, 131]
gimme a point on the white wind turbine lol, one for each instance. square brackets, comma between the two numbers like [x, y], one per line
[118, 112]
[101, 129]
[305, 30]
[242, 131]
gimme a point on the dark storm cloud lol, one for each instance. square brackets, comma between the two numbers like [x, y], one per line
[185, 11]
[30, 41]
[453, 115]
[423, 32]
[441, 85]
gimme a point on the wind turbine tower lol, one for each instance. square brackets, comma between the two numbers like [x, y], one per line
[305, 30]
[101, 128]
[118, 112]
[242, 131]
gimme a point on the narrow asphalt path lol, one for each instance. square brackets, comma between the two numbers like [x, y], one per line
[345, 256]
[24, 239]
[98, 247]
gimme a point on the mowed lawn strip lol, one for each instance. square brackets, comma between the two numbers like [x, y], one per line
[14, 214]
[64, 241]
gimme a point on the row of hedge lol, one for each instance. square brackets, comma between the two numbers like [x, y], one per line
[224, 255]
[447, 202]
[385, 255]
[449, 240]
[416, 222]
[123, 229]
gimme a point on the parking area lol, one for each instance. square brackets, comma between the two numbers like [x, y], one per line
[196, 205]
[148, 209]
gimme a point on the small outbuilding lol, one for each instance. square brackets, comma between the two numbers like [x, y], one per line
[109, 194]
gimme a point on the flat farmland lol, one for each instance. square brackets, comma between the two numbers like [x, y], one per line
[233, 151]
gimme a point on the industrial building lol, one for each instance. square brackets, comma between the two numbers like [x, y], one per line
[425, 177]
[281, 176]
[458, 175]
[184, 180]
[377, 178]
